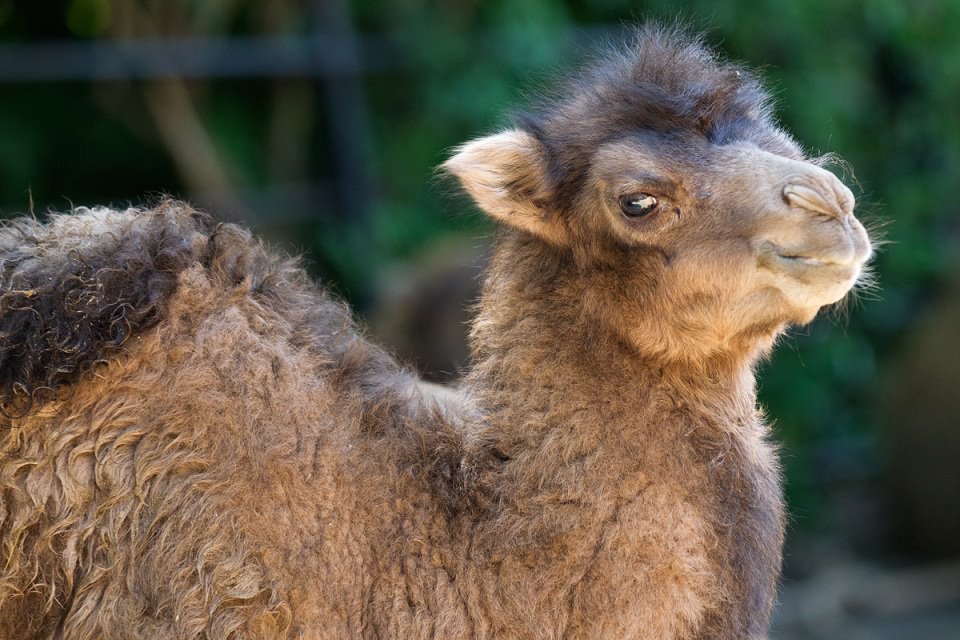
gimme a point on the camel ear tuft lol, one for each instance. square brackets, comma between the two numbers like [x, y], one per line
[504, 174]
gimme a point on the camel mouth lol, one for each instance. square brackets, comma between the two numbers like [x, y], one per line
[773, 256]
[808, 261]
[838, 249]
[813, 278]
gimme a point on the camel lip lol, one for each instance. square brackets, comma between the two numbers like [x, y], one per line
[770, 252]
[808, 261]
[823, 274]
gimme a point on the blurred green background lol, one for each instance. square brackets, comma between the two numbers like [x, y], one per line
[319, 123]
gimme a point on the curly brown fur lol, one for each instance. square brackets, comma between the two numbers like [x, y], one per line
[70, 297]
[199, 443]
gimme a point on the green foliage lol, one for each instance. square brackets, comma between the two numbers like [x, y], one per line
[89, 18]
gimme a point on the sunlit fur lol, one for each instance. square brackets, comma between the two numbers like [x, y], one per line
[197, 442]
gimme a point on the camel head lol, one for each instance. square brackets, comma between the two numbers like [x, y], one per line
[695, 225]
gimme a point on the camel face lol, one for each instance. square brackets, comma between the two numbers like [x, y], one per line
[739, 237]
[694, 245]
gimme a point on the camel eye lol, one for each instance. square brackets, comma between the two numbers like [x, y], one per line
[636, 205]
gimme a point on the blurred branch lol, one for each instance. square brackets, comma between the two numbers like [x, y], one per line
[233, 57]
[329, 53]
[177, 119]
[179, 125]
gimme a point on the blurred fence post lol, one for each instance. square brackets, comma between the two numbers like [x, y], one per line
[351, 141]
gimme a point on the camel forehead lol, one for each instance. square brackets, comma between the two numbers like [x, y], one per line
[683, 164]
[652, 158]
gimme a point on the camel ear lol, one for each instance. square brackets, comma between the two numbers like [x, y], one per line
[504, 174]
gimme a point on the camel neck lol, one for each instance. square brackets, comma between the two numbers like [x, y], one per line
[586, 451]
[541, 355]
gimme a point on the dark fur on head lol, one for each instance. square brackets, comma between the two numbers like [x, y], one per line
[664, 80]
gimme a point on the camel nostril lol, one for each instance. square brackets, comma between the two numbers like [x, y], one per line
[845, 198]
[823, 200]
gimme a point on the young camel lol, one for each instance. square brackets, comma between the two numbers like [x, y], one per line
[197, 443]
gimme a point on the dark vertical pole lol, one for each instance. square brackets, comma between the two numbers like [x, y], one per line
[351, 141]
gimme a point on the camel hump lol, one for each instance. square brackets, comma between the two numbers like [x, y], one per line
[76, 287]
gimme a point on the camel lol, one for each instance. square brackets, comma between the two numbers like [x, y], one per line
[197, 442]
